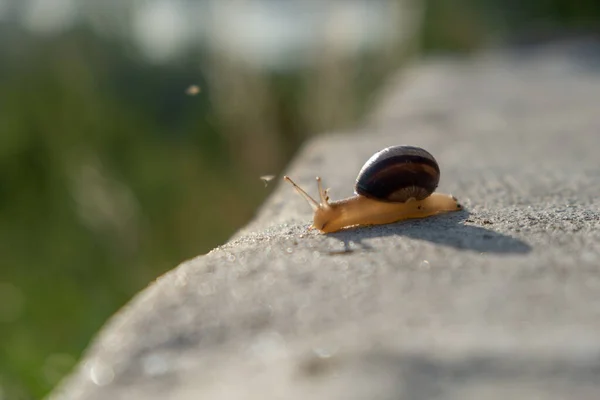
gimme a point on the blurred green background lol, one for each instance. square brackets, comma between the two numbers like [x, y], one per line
[133, 134]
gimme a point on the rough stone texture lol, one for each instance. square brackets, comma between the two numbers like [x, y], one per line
[500, 301]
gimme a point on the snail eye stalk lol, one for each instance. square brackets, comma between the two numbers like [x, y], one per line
[313, 203]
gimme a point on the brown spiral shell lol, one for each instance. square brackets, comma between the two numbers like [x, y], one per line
[397, 173]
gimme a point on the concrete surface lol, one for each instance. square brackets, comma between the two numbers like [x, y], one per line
[500, 301]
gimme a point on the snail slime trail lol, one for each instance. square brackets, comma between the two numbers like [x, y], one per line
[397, 183]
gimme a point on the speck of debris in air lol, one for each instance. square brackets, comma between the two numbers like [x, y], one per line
[192, 90]
[267, 178]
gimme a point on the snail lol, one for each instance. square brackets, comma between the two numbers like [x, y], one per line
[395, 184]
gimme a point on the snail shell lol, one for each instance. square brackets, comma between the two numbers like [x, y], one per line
[398, 173]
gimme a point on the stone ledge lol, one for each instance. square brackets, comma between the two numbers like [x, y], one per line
[500, 300]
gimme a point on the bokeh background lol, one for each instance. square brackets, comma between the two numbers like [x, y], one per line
[133, 133]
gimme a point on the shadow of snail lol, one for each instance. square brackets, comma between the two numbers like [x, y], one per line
[398, 184]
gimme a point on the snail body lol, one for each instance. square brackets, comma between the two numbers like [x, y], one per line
[395, 184]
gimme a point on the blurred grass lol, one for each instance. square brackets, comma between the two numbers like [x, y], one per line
[111, 175]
